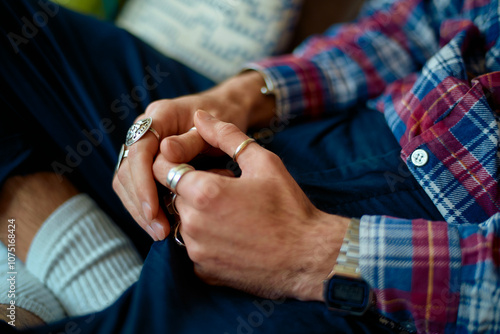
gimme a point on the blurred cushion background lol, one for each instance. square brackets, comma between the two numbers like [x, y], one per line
[217, 37]
[214, 37]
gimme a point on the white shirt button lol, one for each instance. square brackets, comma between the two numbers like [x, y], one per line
[419, 157]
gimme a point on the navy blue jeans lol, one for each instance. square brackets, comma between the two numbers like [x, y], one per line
[71, 87]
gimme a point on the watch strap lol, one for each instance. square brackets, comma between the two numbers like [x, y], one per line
[348, 258]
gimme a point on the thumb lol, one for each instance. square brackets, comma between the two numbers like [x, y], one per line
[225, 136]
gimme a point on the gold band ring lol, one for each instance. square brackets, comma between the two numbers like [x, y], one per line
[240, 148]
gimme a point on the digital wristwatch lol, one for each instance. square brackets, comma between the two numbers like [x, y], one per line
[344, 290]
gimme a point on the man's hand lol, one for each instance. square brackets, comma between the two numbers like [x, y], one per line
[237, 100]
[258, 233]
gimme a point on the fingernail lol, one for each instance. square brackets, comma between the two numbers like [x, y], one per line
[151, 233]
[204, 115]
[146, 209]
[159, 230]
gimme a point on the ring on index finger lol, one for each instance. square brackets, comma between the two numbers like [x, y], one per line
[134, 133]
[139, 129]
[176, 173]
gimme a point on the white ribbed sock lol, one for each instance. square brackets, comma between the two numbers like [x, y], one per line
[26, 290]
[83, 257]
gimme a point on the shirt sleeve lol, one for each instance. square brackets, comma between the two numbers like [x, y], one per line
[351, 63]
[443, 278]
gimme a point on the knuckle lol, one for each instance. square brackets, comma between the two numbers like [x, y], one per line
[196, 253]
[210, 189]
[270, 159]
[191, 227]
[174, 149]
[115, 184]
[226, 129]
[122, 176]
[200, 198]
[133, 151]
[154, 106]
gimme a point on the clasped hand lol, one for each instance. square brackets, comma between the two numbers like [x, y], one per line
[258, 233]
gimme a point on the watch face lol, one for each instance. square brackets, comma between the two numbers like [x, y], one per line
[347, 295]
[352, 293]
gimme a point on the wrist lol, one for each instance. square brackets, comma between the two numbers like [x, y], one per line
[328, 238]
[244, 90]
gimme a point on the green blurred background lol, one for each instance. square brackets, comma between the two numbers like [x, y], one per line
[103, 9]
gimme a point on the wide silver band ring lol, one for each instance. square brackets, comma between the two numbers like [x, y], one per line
[139, 129]
[176, 173]
[122, 155]
[241, 147]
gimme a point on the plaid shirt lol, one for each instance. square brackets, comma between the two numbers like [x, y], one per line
[429, 66]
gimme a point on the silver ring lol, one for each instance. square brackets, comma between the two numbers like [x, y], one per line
[122, 155]
[174, 208]
[177, 235]
[174, 175]
[139, 129]
[240, 148]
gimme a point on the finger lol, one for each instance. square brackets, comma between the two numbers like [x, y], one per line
[158, 229]
[140, 162]
[131, 192]
[227, 137]
[142, 153]
[222, 172]
[164, 111]
[198, 188]
[160, 225]
[184, 147]
[129, 205]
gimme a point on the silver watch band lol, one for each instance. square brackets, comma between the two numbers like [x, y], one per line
[348, 259]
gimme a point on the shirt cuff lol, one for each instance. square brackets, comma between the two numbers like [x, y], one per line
[298, 84]
[413, 267]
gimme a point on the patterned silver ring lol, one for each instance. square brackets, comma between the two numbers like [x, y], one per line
[139, 129]
[174, 175]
